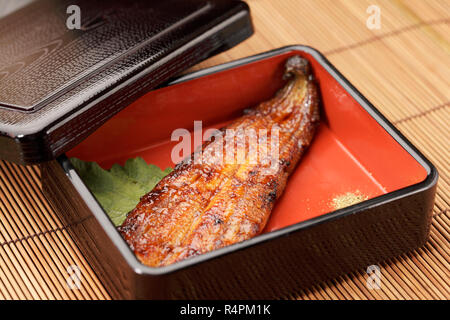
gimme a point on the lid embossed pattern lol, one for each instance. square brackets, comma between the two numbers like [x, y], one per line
[37, 72]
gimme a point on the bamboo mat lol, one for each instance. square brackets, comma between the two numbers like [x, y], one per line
[403, 69]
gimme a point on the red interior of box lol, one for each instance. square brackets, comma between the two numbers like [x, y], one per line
[351, 152]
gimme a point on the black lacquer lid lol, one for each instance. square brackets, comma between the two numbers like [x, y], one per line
[58, 84]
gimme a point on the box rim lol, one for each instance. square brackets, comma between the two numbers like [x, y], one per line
[139, 268]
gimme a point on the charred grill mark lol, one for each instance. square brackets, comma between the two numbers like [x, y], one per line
[202, 206]
[271, 196]
[285, 163]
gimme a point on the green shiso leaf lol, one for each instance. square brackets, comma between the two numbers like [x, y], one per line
[119, 189]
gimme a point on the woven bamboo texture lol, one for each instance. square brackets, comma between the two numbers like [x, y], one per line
[403, 68]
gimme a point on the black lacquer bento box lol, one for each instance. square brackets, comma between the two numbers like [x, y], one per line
[305, 241]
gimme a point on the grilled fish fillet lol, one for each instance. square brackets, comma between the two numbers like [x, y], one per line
[205, 203]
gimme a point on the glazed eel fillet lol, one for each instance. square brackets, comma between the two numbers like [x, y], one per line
[205, 205]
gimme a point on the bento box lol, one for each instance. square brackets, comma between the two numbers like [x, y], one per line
[306, 240]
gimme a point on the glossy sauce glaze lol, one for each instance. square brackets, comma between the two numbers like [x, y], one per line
[208, 201]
